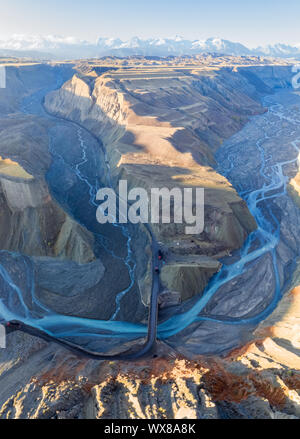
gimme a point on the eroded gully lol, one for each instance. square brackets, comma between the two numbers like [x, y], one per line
[269, 184]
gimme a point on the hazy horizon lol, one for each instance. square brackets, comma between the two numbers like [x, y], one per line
[71, 39]
[252, 24]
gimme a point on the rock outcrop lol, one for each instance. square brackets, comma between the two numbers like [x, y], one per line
[161, 129]
[188, 274]
[56, 385]
[156, 130]
[33, 224]
[39, 241]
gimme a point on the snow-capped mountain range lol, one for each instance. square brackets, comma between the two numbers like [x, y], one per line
[68, 47]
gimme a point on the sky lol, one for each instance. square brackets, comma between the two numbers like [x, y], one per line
[253, 23]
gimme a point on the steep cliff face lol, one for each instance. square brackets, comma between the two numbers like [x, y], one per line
[40, 380]
[47, 253]
[265, 79]
[188, 275]
[23, 80]
[31, 223]
[161, 129]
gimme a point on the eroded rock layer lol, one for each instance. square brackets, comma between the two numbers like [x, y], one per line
[160, 127]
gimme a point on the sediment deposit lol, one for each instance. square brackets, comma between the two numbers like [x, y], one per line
[160, 126]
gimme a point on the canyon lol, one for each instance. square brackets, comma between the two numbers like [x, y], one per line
[66, 130]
